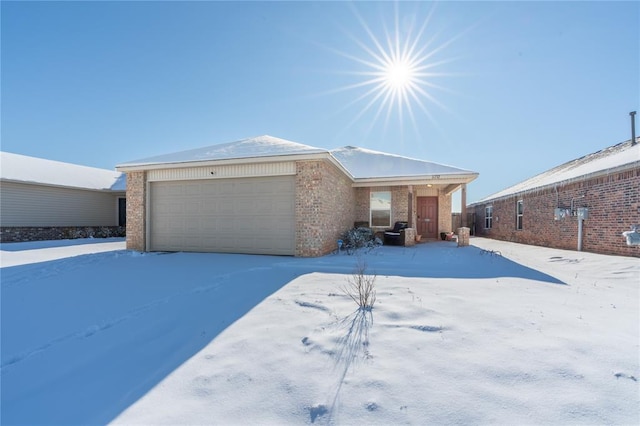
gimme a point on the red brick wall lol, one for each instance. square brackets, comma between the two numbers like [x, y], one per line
[614, 205]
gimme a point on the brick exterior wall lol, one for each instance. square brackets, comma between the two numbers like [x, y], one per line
[614, 205]
[362, 203]
[400, 205]
[325, 204]
[136, 210]
[444, 213]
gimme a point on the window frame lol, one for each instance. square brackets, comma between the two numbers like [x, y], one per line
[488, 217]
[371, 209]
[519, 215]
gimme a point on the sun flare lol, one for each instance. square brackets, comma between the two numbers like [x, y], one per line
[399, 75]
[397, 69]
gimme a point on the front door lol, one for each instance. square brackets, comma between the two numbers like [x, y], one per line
[427, 213]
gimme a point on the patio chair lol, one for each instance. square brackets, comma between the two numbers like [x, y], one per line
[395, 236]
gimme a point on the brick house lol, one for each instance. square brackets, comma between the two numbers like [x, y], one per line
[267, 195]
[584, 204]
[45, 200]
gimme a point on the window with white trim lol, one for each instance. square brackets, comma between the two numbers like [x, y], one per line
[488, 217]
[519, 213]
[380, 208]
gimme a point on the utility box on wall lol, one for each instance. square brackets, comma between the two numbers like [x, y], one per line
[560, 213]
[582, 213]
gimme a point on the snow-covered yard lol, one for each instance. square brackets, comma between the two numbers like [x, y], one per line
[457, 335]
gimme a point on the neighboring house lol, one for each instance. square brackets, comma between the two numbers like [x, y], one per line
[43, 199]
[266, 195]
[584, 204]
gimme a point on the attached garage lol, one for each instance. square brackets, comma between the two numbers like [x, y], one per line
[239, 215]
[267, 195]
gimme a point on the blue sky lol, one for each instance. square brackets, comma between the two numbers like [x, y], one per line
[509, 89]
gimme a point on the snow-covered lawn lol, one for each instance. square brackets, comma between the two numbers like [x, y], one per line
[457, 335]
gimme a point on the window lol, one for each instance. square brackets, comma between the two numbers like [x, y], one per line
[519, 210]
[122, 211]
[380, 208]
[488, 217]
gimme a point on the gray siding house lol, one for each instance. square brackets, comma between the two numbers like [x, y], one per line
[44, 199]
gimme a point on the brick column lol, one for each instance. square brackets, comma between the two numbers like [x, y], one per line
[136, 210]
[409, 237]
[463, 236]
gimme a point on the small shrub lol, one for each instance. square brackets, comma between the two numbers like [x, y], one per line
[361, 288]
[357, 238]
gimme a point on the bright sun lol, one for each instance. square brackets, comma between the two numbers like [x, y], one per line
[398, 70]
[399, 75]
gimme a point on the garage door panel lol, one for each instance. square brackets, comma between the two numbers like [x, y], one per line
[252, 215]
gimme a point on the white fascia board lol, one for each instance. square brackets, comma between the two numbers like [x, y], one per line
[415, 180]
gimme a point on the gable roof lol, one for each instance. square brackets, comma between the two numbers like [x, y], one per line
[25, 169]
[617, 157]
[360, 164]
[260, 146]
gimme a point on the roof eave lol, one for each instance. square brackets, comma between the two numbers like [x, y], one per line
[53, 185]
[416, 180]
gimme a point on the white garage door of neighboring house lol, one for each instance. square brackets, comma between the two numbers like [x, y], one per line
[243, 215]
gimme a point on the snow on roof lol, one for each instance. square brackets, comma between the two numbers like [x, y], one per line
[359, 162]
[261, 146]
[364, 163]
[22, 168]
[610, 158]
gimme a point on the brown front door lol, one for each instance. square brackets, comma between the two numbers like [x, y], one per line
[427, 213]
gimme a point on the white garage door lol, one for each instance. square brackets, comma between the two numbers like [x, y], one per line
[249, 215]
